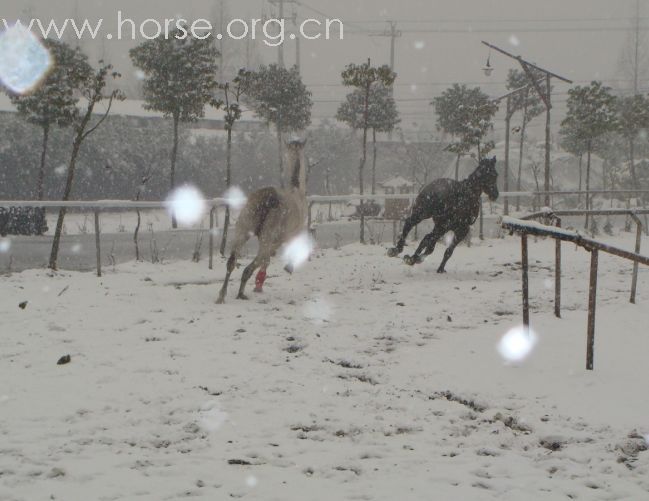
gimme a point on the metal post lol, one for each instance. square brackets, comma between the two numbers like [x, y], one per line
[98, 242]
[211, 265]
[592, 303]
[557, 274]
[508, 116]
[526, 296]
[638, 243]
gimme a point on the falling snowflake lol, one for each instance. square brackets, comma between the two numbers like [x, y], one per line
[317, 311]
[517, 344]
[548, 283]
[211, 417]
[419, 44]
[413, 88]
[76, 248]
[187, 205]
[5, 245]
[140, 75]
[60, 170]
[235, 198]
[24, 61]
[513, 39]
[251, 481]
[298, 250]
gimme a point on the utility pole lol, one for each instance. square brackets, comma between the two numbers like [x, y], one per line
[280, 47]
[393, 33]
[636, 62]
[545, 96]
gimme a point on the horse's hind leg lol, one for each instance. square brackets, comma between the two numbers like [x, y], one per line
[416, 217]
[261, 276]
[427, 246]
[459, 235]
[232, 261]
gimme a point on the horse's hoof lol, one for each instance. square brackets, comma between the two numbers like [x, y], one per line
[289, 269]
[220, 300]
[242, 297]
[394, 252]
[441, 271]
[259, 290]
[412, 260]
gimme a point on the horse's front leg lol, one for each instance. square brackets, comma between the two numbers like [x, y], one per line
[415, 218]
[427, 246]
[247, 273]
[459, 235]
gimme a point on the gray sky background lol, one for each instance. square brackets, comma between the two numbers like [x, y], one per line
[579, 39]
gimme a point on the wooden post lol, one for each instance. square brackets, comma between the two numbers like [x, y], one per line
[557, 274]
[98, 242]
[638, 243]
[592, 303]
[481, 221]
[526, 296]
[394, 232]
[211, 263]
[548, 107]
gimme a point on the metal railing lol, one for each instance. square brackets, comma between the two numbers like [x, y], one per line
[526, 227]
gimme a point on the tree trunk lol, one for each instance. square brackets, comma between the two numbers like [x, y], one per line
[361, 167]
[66, 196]
[457, 167]
[228, 182]
[280, 157]
[373, 161]
[174, 155]
[587, 185]
[634, 177]
[40, 190]
[581, 157]
[137, 226]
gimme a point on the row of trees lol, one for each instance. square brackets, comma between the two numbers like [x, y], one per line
[597, 121]
[179, 82]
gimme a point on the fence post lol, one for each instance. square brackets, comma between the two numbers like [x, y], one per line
[98, 242]
[481, 221]
[211, 264]
[557, 273]
[592, 304]
[526, 296]
[638, 243]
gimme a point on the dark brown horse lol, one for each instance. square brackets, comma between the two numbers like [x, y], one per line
[453, 205]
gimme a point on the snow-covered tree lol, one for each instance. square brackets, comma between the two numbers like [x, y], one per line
[382, 115]
[231, 105]
[54, 102]
[93, 90]
[278, 96]
[530, 106]
[633, 118]
[466, 114]
[180, 80]
[591, 113]
[363, 77]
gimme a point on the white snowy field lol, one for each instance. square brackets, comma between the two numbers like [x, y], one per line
[355, 378]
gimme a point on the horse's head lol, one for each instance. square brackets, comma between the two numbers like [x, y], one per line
[487, 176]
[295, 170]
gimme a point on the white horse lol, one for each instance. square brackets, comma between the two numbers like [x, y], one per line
[275, 216]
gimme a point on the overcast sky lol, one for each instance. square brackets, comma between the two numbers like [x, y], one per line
[440, 44]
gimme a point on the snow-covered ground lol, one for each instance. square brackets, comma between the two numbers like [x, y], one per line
[355, 378]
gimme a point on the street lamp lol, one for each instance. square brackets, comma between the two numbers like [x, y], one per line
[488, 69]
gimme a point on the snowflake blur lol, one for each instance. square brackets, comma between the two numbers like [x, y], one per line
[251, 481]
[318, 311]
[298, 250]
[211, 417]
[517, 344]
[235, 198]
[5, 245]
[187, 204]
[24, 61]
[76, 248]
[513, 39]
